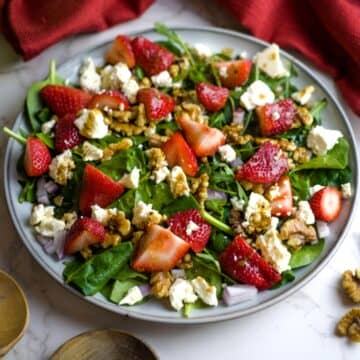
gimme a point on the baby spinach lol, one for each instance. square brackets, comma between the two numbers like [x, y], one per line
[330, 177]
[28, 191]
[219, 241]
[91, 276]
[216, 206]
[33, 101]
[286, 277]
[46, 139]
[120, 289]
[180, 204]
[300, 183]
[317, 110]
[189, 307]
[306, 255]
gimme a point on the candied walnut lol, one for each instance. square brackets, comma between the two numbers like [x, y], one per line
[122, 116]
[58, 200]
[297, 233]
[136, 236]
[185, 263]
[291, 163]
[258, 222]
[233, 136]
[174, 70]
[145, 82]
[157, 140]
[351, 285]
[119, 223]
[236, 220]
[141, 119]
[127, 129]
[349, 325]
[193, 111]
[304, 115]
[111, 239]
[284, 144]
[199, 188]
[301, 155]
[114, 148]
[247, 185]
[181, 94]
[160, 284]
[157, 158]
[86, 252]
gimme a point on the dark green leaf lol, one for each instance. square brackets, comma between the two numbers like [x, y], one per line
[180, 204]
[139, 72]
[44, 115]
[28, 191]
[170, 45]
[300, 184]
[46, 139]
[286, 277]
[120, 289]
[189, 307]
[317, 110]
[306, 255]
[219, 241]
[216, 206]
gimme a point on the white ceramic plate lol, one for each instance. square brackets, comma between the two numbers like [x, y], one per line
[216, 39]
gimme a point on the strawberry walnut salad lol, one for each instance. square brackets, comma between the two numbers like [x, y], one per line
[175, 173]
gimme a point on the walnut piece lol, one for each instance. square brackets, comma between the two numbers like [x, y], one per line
[351, 284]
[114, 148]
[199, 187]
[157, 158]
[349, 325]
[111, 240]
[235, 220]
[160, 284]
[185, 263]
[297, 233]
[304, 115]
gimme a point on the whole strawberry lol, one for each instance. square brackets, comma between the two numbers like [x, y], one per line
[37, 157]
[67, 134]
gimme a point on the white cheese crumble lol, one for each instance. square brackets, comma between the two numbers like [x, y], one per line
[130, 90]
[142, 213]
[44, 221]
[257, 203]
[131, 180]
[223, 71]
[180, 292]
[305, 213]
[47, 126]
[227, 153]
[163, 79]
[191, 227]
[243, 54]
[133, 296]
[205, 291]
[323, 229]
[257, 94]
[90, 80]
[270, 62]
[237, 204]
[91, 152]
[39, 212]
[61, 166]
[91, 124]
[114, 77]
[321, 140]
[303, 96]
[314, 189]
[160, 175]
[202, 50]
[178, 182]
[69, 218]
[102, 215]
[346, 191]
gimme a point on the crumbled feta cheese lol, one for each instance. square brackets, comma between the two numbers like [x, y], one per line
[178, 182]
[273, 250]
[227, 153]
[205, 291]
[257, 94]
[202, 50]
[45, 222]
[274, 223]
[305, 213]
[273, 192]
[102, 215]
[131, 181]
[90, 80]
[191, 227]
[223, 71]
[61, 166]
[243, 54]
[39, 212]
[133, 296]
[321, 140]
[237, 204]
[270, 62]
[303, 96]
[346, 191]
[143, 213]
[177, 85]
[314, 189]
[257, 203]
[163, 79]
[69, 218]
[181, 292]
[323, 229]
[130, 90]
[47, 126]
[114, 77]
[91, 152]
[161, 174]
[91, 124]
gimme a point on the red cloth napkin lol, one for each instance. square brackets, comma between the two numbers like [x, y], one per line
[326, 31]
[33, 25]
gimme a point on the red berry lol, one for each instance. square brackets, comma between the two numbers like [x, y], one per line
[111, 99]
[281, 204]
[67, 134]
[326, 204]
[212, 97]
[121, 51]
[233, 73]
[37, 157]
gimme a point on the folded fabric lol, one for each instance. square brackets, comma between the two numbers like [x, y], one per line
[326, 32]
[33, 25]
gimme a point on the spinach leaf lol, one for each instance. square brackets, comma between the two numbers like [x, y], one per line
[46, 139]
[286, 277]
[170, 45]
[44, 115]
[139, 72]
[28, 191]
[306, 255]
[33, 100]
[219, 241]
[300, 183]
[126, 273]
[216, 206]
[317, 110]
[180, 204]
[330, 177]
[91, 276]
[120, 289]
[298, 135]
[189, 307]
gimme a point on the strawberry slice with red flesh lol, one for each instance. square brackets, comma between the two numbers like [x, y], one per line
[276, 118]
[97, 188]
[121, 51]
[211, 96]
[282, 203]
[199, 236]
[63, 100]
[266, 166]
[151, 57]
[178, 152]
[203, 139]
[326, 204]
[37, 157]
[67, 134]
[233, 73]
[111, 99]
[159, 250]
[84, 232]
[157, 104]
[242, 263]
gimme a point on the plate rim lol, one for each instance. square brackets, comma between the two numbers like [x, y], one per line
[209, 318]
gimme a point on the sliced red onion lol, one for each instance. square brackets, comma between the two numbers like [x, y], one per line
[236, 163]
[236, 294]
[41, 193]
[216, 195]
[238, 116]
[178, 273]
[54, 245]
[51, 187]
[145, 289]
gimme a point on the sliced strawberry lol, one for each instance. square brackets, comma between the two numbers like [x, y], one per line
[111, 99]
[97, 188]
[241, 262]
[212, 97]
[63, 100]
[282, 202]
[121, 51]
[276, 118]
[203, 139]
[67, 134]
[326, 204]
[157, 104]
[37, 157]
[84, 232]
[159, 250]
[233, 73]
[178, 152]
[191, 227]
[265, 166]
[152, 57]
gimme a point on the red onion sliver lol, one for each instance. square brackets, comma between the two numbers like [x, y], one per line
[178, 273]
[51, 187]
[54, 245]
[145, 289]
[216, 195]
[236, 294]
[236, 163]
[238, 116]
[41, 193]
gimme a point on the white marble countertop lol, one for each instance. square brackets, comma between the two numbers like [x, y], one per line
[300, 327]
